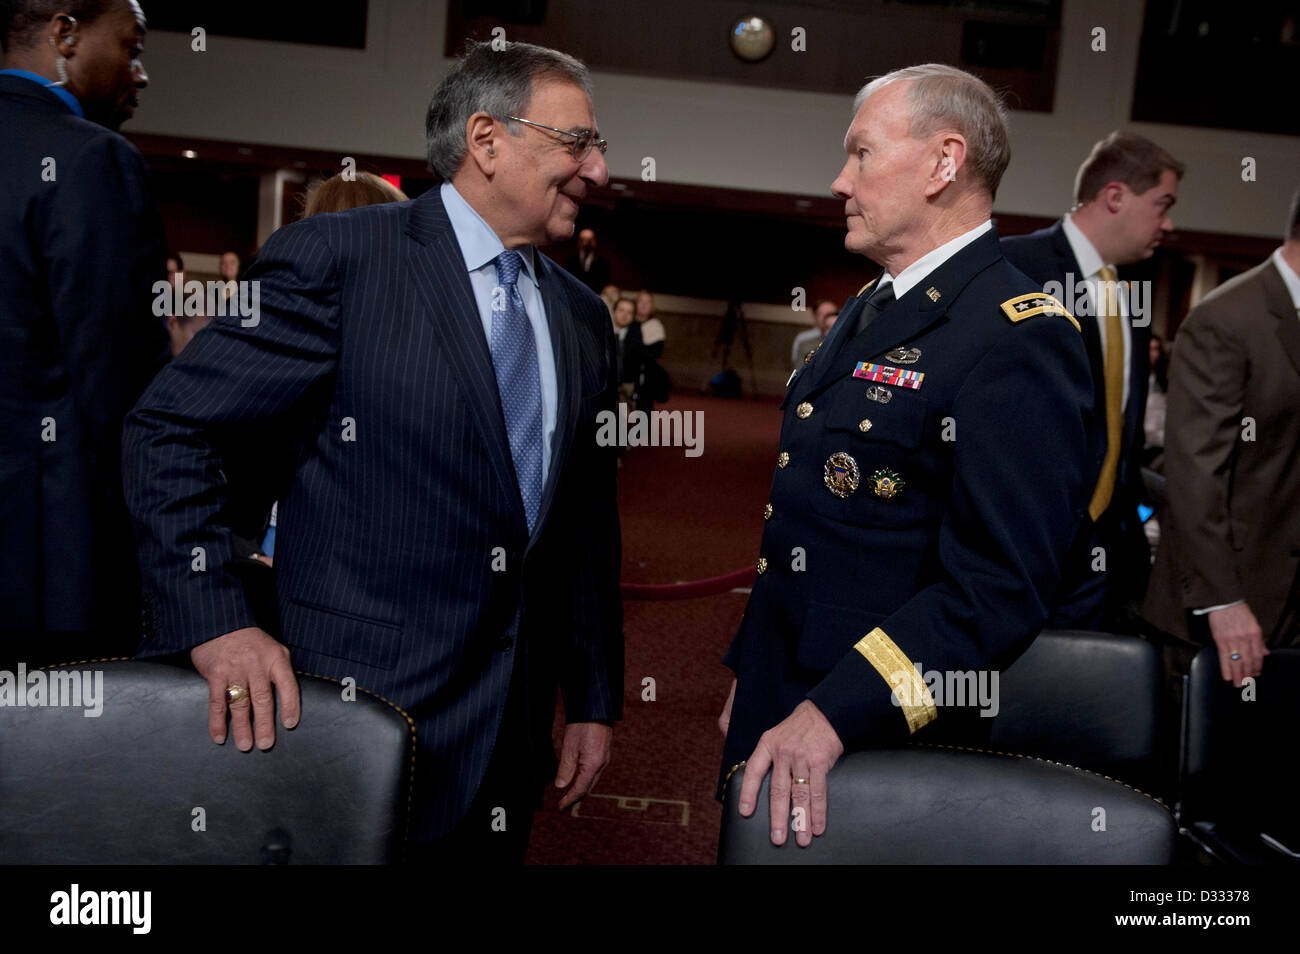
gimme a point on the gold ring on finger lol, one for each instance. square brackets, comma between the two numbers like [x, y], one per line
[1235, 656]
[235, 692]
[801, 781]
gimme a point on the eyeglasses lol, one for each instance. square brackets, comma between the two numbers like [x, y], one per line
[583, 139]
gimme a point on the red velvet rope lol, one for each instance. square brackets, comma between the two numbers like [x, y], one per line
[689, 591]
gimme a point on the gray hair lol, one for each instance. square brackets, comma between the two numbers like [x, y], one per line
[493, 78]
[944, 97]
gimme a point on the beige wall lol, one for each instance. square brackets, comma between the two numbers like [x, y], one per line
[373, 101]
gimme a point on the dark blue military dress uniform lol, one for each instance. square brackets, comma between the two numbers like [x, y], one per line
[933, 470]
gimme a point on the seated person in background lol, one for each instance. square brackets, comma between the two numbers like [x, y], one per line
[610, 296]
[628, 334]
[337, 194]
[181, 328]
[230, 265]
[824, 314]
[653, 384]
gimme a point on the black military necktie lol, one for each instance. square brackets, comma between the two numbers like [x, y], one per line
[877, 301]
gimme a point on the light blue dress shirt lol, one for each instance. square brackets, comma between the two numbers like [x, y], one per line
[480, 247]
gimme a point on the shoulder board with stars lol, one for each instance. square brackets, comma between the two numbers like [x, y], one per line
[1036, 303]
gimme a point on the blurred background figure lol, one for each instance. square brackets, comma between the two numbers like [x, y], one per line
[229, 269]
[337, 194]
[1157, 403]
[585, 265]
[628, 335]
[653, 384]
[610, 296]
[181, 328]
[824, 314]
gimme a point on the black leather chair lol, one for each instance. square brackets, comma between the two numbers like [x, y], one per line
[919, 805]
[126, 787]
[1237, 800]
[1086, 699]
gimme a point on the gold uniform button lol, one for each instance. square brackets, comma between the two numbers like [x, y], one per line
[782, 459]
[864, 425]
[767, 512]
[762, 565]
[804, 410]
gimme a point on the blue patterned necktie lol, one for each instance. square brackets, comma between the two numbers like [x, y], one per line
[514, 356]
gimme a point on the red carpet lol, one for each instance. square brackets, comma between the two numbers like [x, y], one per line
[684, 518]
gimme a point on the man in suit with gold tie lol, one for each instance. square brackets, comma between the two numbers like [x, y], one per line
[1123, 193]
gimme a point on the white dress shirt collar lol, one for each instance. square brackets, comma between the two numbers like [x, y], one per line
[1085, 253]
[915, 273]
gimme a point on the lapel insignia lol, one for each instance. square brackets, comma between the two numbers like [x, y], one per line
[841, 474]
[895, 376]
[932, 293]
[904, 355]
[886, 484]
[809, 356]
[880, 395]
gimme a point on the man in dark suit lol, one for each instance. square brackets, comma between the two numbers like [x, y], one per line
[586, 266]
[1227, 570]
[448, 536]
[1123, 193]
[81, 245]
[933, 467]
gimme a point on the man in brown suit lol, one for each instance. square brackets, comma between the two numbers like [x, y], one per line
[1227, 562]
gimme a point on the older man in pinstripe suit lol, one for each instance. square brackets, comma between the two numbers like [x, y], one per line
[448, 531]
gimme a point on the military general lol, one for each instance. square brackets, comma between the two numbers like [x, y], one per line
[936, 456]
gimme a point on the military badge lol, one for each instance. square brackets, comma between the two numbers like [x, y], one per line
[841, 474]
[886, 484]
[879, 395]
[904, 355]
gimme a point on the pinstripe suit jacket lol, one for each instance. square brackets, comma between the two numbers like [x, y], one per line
[365, 395]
